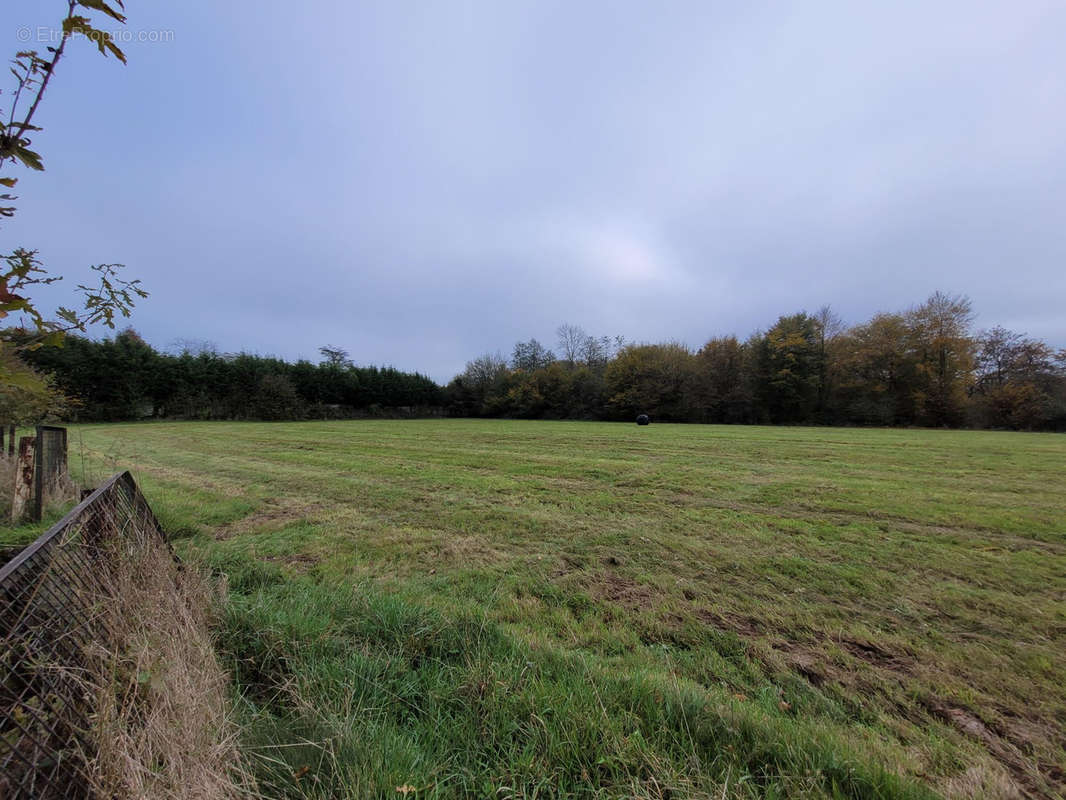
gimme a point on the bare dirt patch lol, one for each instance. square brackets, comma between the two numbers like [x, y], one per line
[877, 655]
[622, 591]
[809, 663]
[740, 625]
[1025, 774]
[1020, 776]
[569, 564]
[811, 659]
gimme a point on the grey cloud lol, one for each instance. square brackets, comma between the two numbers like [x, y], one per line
[422, 183]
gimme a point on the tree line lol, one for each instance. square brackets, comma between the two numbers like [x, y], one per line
[922, 367]
[124, 378]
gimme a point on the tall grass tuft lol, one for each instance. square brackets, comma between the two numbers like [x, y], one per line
[160, 725]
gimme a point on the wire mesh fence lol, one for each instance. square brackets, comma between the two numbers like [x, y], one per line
[51, 595]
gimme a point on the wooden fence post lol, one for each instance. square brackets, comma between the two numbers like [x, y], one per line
[38, 476]
[24, 474]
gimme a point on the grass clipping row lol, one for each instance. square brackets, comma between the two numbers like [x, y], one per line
[159, 724]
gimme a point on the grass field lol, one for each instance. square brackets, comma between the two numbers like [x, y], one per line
[504, 609]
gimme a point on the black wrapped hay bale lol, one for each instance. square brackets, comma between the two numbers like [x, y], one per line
[643, 420]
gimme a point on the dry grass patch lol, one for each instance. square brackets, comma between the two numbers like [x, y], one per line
[160, 725]
[469, 550]
[7, 486]
[275, 514]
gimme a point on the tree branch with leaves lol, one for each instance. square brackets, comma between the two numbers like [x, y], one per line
[21, 272]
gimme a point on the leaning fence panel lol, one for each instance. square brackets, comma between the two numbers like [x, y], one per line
[50, 596]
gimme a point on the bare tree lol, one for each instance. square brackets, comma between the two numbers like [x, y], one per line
[530, 356]
[193, 347]
[828, 322]
[571, 339]
[1008, 357]
[482, 372]
[827, 326]
[595, 352]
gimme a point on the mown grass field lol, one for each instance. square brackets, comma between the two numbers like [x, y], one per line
[518, 609]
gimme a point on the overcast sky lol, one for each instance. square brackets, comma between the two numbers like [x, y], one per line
[421, 182]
